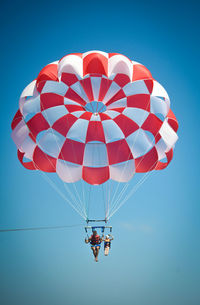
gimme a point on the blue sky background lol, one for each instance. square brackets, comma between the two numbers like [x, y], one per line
[155, 256]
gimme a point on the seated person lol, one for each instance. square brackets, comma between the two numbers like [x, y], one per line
[95, 242]
[107, 243]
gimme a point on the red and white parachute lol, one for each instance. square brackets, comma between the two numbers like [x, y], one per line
[94, 116]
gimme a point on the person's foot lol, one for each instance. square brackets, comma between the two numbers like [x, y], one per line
[96, 259]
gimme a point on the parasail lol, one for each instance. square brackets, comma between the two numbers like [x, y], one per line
[95, 117]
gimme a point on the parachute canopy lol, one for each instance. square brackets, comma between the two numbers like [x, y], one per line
[94, 116]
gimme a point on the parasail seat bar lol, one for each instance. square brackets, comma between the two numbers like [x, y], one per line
[96, 220]
[98, 227]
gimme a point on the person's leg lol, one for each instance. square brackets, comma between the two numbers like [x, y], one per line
[94, 251]
[106, 250]
[97, 253]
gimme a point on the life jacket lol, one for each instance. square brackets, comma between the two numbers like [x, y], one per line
[95, 240]
[107, 244]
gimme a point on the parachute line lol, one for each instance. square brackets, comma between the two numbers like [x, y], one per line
[135, 188]
[39, 228]
[54, 186]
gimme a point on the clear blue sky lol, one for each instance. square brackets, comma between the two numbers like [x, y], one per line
[154, 259]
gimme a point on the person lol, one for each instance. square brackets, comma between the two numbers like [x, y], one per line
[95, 242]
[107, 244]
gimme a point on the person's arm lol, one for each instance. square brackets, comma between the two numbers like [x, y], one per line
[87, 240]
[111, 237]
